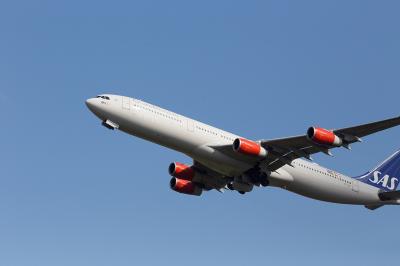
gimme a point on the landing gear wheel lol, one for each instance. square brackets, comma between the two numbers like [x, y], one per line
[242, 192]
[265, 183]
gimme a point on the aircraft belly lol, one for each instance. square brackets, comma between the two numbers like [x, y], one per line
[218, 161]
[325, 188]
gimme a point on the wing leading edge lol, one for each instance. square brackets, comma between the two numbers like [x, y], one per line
[285, 150]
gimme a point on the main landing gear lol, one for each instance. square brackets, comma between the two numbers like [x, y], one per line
[247, 181]
[264, 182]
[231, 187]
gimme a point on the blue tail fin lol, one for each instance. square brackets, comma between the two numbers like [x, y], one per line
[386, 175]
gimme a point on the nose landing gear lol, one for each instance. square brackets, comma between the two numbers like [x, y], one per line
[110, 124]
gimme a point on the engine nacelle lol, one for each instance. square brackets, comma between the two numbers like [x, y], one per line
[249, 147]
[181, 171]
[185, 187]
[323, 137]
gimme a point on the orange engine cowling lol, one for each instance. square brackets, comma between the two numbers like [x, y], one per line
[323, 137]
[181, 171]
[249, 147]
[185, 186]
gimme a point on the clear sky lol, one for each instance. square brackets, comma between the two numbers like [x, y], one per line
[74, 193]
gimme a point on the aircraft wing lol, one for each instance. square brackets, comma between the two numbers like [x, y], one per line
[283, 151]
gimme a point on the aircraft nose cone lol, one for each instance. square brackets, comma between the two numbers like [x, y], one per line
[95, 107]
[90, 104]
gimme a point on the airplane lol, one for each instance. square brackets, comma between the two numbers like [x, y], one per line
[225, 161]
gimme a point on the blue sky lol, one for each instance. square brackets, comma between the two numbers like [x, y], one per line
[74, 193]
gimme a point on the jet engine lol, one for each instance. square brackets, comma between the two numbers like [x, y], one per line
[249, 147]
[181, 171]
[323, 137]
[185, 187]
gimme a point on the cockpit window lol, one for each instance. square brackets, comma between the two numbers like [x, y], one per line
[103, 97]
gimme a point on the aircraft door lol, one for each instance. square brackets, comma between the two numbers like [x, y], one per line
[354, 185]
[190, 126]
[135, 107]
[126, 103]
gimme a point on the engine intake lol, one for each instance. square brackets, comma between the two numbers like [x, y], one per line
[249, 147]
[323, 137]
[181, 171]
[185, 187]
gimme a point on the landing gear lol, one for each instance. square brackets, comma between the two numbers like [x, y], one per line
[110, 124]
[264, 182]
[231, 187]
[257, 177]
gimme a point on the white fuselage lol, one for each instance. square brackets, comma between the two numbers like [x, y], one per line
[196, 140]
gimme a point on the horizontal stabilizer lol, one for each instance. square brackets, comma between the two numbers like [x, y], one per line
[392, 195]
